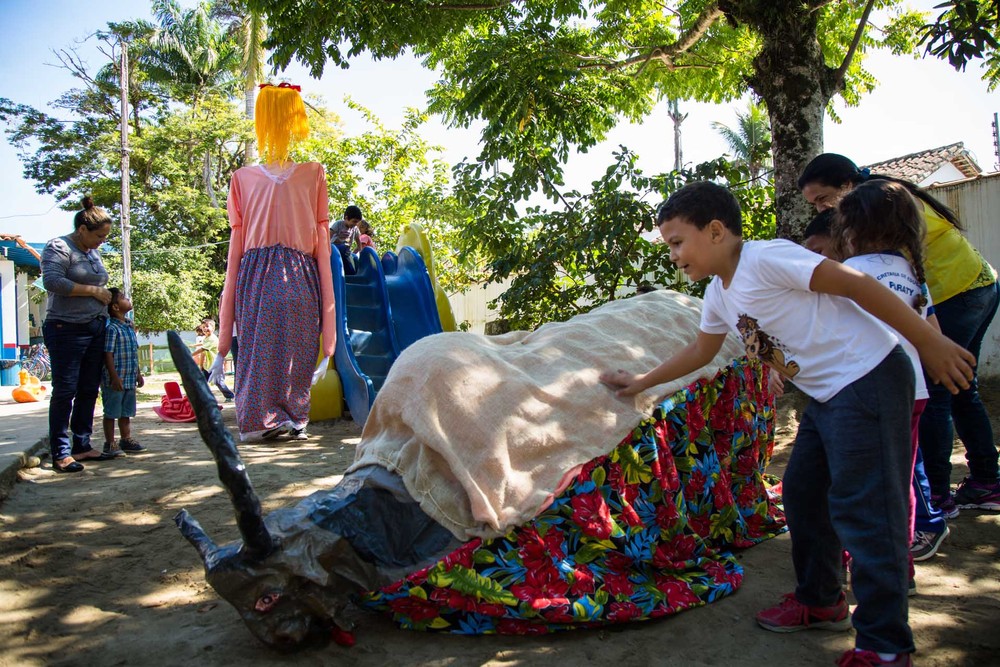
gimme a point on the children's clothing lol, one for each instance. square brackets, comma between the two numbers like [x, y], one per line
[209, 345]
[846, 361]
[120, 341]
[895, 272]
[817, 341]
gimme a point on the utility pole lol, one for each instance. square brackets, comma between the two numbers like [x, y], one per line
[996, 140]
[126, 203]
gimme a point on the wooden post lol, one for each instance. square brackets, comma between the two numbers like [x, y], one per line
[152, 362]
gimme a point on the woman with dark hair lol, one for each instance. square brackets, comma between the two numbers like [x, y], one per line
[964, 291]
[76, 315]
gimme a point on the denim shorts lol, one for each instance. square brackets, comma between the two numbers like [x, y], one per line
[118, 404]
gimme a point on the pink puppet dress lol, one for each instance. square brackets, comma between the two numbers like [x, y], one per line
[278, 292]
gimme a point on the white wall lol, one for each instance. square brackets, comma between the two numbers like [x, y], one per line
[8, 310]
[21, 292]
[471, 306]
[946, 173]
[977, 203]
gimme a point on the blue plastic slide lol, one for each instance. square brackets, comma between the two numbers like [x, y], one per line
[411, 297]
[379, 313]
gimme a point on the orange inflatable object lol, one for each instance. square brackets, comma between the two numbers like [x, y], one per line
[174, 407]
[31, 389]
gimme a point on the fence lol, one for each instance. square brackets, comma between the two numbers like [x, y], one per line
[977, 203]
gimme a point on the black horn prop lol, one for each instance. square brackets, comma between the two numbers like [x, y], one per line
[257, 541]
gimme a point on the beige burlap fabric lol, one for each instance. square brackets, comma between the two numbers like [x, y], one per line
[483, 428]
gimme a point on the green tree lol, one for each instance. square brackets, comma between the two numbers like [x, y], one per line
[966, 30]
[249, 29]
[397, 178]
[550, 77]
[750, 140]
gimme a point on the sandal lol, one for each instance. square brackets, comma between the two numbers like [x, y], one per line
[101, 456]
[72, 466]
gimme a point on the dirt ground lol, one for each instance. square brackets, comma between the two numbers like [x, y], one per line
[94, 572]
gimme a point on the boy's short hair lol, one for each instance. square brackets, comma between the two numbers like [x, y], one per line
[115, 292]
[353, 213]
[701, 202]
[820, 225]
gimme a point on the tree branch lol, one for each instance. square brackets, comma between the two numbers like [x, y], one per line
[668, 52]
[838, 76]
[458, 7]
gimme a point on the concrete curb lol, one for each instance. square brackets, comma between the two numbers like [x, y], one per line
[8, 474]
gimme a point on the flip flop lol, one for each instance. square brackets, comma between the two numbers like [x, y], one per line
[70, 467]
[103, 456]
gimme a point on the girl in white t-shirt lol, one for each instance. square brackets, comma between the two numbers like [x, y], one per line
[879, 231]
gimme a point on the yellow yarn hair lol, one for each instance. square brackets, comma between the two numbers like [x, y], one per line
[281, 122]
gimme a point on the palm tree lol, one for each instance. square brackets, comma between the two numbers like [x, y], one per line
[248, 27]
[190, 54]
[750, 142]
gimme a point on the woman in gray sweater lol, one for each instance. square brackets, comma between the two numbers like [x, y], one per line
[75, 280]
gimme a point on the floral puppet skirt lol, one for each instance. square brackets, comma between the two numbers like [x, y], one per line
[278, 319]
[644, 531]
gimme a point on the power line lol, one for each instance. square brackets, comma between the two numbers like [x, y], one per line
[28, 215]
[111, 253]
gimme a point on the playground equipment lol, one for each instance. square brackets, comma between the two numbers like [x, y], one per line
[413, 236]
[390, 303]
[381, 310]
[30, 390]
[174, 406]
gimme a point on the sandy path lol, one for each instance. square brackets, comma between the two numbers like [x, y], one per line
[93, 572]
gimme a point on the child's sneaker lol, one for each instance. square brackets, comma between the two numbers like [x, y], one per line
[973, 495]
[790, 615]
[132, 446]
[113, 450]
[925, 543]
[298, 434]
[911, 588]
[854, 658]
[946, 505]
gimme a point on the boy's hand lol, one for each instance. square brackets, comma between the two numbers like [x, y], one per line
[624, 384]
[947, 363]
[140, 381]
[116, 383]
[776, 383]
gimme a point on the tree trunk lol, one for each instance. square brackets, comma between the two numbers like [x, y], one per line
[206, 174]
[678, 118]
[250, 153]
[792, 78]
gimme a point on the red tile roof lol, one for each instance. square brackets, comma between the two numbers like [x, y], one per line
[915, 167]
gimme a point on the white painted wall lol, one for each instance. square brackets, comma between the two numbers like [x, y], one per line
[8, 311]
[946, 173]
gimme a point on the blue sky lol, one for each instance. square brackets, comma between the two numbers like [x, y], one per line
[919, 104]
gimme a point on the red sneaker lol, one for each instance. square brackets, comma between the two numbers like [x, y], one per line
[854, 658]
[790, 615]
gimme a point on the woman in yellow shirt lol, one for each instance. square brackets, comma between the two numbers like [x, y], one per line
[964, 291]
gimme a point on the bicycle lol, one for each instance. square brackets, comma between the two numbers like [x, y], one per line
[34, 359]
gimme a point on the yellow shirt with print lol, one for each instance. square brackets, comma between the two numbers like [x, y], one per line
[951, 264]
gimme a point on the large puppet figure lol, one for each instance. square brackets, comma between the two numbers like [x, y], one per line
[279, 289]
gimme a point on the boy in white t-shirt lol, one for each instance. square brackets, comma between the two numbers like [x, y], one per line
[847, 482]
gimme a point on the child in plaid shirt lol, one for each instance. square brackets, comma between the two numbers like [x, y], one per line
[121, 376]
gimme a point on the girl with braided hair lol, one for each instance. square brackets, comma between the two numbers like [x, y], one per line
[878, 229]
[963, 288]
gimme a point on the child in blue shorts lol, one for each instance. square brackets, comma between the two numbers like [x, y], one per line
[847, 482]
[121, 376]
